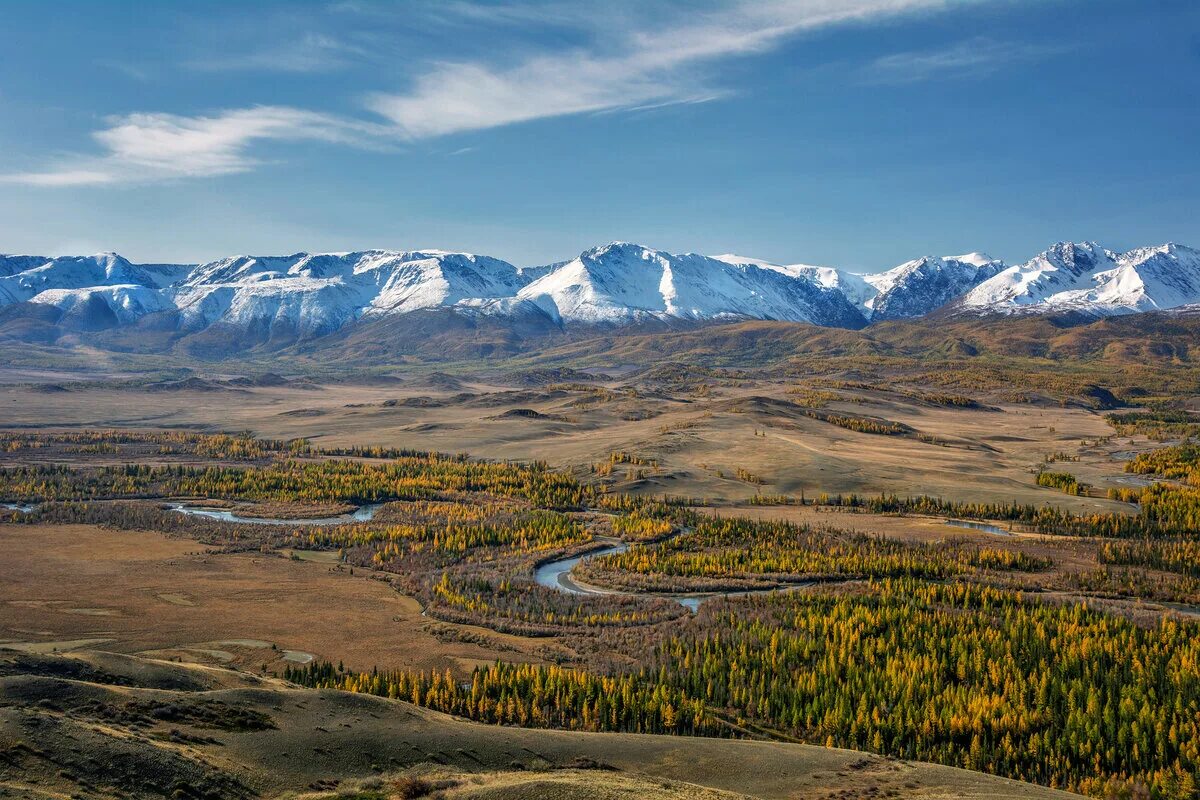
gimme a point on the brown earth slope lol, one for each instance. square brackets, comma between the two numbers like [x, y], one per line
[99, 725]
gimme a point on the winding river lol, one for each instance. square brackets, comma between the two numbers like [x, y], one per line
[979, 526]
[551, 574]
[557, 575]
[362, 514]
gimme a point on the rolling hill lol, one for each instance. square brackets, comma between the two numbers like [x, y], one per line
[101, 725]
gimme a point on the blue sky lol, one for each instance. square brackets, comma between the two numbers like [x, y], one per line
[857, 133]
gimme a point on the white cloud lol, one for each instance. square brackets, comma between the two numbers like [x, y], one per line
[624, 69]
[628, 62]
[462, 97]
[151, 147]
[972, 57]
[61, 177]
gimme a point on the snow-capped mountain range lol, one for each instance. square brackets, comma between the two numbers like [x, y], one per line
[1087, 278]
[619, 284]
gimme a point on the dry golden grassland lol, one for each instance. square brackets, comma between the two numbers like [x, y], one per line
[68, 586]
[704, 441]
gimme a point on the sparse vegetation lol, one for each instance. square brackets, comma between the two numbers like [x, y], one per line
[1158, 425]
[1065, 482]
[882, 427]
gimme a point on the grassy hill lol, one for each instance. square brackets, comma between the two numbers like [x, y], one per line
[1159, 339]
[100, 725]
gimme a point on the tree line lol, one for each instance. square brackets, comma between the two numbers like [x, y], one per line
[954, 673]
[717, 553]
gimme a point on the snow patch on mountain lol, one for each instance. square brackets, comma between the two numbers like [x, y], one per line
[314, 294]
[618, 284]
[126, 303]
[915, 288]
[852, 286]
[621, 283]
[1086, 278]
[24, 277]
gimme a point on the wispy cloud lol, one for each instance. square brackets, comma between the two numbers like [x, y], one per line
[972, 57]
[618, 60]
[631, 68]
[312, 52]
[153, 147]
[131, 71]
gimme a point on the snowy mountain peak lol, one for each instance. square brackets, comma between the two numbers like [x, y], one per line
[975, 259]
[23, 278]
[1086, 278]
[316, 293]
[917, 287]
[733, 258]
[852, 286]
[1076, 258]
[624, 282]
[627, 250]
[252, 299]
[1170, 249]
[787, 269]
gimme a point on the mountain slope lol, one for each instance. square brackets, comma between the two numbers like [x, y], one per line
[912, 289]
[620, 283]
[23, 278]
[315, 294]
[853, 287]
[915, 288]
[1085, 278]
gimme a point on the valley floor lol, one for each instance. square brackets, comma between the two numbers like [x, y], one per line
[701, 437]
[137, 642]
[67, 586]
